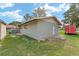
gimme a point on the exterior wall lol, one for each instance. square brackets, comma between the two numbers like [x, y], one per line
[46, 30]
[2, 31]
[30, 30]
[51, 21]
[55, 30]
[40, 30]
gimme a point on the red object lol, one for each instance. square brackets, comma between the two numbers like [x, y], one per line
[70, 29]
[10, 27]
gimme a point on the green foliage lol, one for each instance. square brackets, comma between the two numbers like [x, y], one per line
[24, 46]
[15, 23]
[72, 15]
[27, 16]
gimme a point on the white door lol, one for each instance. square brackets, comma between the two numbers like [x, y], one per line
[53, 30]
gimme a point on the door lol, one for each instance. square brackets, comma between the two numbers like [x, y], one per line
[53, 30]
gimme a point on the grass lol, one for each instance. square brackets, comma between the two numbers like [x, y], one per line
[26, 46]
[71, 47]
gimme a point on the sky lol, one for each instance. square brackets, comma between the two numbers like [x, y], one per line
[15, 11]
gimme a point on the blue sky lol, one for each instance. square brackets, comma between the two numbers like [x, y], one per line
[15, 11]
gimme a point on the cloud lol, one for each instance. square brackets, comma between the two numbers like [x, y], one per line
[6, 5]
[14, 15]
[52, 9]
[61, 7]
[48, 14]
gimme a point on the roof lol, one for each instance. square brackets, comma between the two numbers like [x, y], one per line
[1, 21]
[54, 18]
[10, 26]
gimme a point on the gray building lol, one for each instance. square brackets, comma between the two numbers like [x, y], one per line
[40, 28]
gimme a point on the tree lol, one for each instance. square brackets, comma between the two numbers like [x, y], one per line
[15, 23]
[72, 15]
[27, 16]
[39, 12]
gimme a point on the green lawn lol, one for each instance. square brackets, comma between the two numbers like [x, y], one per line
[25, 46]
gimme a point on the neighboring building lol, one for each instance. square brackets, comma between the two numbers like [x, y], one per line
[40, 28]
[2, 29]
[12, 29]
